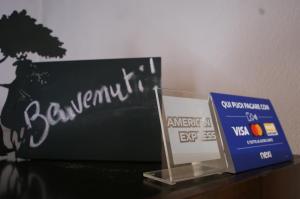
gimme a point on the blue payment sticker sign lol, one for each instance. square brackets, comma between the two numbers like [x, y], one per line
[251, 131]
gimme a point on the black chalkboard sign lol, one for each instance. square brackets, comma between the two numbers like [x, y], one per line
[86, 110]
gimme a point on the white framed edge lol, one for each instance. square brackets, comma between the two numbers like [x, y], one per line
[221, 139]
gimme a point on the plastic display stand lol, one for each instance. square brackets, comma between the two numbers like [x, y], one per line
[201, 163]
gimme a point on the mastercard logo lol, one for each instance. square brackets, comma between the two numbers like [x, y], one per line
[256, 130]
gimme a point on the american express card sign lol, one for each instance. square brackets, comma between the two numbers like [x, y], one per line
[250, 132]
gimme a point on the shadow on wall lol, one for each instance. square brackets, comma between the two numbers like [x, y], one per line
[174, 75]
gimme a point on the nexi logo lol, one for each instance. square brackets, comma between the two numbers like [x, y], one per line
[240, 130]
[265, 155]
[270, 129]
[188, 136]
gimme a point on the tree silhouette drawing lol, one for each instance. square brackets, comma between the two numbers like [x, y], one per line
[21, 36]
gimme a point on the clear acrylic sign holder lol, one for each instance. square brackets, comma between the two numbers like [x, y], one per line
[171, 171]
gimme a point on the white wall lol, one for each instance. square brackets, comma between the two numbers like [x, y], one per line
[242, 47]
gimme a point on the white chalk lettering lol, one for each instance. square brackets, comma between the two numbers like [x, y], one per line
[118, 93]
[152, 67]
[55, 113]
[140, 85]
[78, 108]
[36, 115]
[127, 78]
[52, 114]
[86, 98]
[98, 96]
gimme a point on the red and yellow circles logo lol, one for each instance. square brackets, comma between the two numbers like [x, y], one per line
[256, 130]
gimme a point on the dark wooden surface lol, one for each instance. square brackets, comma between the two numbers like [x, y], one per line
[277, 181]
[56, 179]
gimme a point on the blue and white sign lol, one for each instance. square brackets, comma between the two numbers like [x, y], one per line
[251, 134]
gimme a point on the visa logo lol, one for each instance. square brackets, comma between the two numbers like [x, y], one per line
[240, 130]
